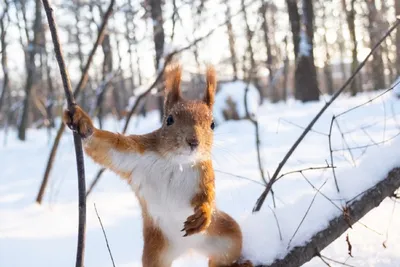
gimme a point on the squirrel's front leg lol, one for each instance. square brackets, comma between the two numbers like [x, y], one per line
[203, 202]
[111, 150]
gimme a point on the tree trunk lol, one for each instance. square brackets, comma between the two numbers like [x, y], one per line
[294, 19]
[31, 70]
[130, 30]
[397, 8]
[272, 88]
[84, 96]
[305, 74]
[285, 70]
[4, 60]
[350, 18]
[378, 68]
[231, 38]
[250, 51]
[327, 65]
[107, 69]
[159, 39]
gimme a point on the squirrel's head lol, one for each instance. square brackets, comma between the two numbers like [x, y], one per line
[187, 127]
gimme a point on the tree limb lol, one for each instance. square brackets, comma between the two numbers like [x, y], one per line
[77, 140]
[337, 226]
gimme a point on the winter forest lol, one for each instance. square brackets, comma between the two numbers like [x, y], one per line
[306, 153]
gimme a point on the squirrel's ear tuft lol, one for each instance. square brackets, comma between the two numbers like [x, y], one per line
[172, 85]
[211, 84]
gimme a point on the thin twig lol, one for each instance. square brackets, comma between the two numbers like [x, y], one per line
[277, 223]
[263, 196]
[338, 262]
[301, 127]
[77, 140]
[305, 214]
[305, 169]
[240, 177]
[105, 236]
[369, 101]
[345, 143]
[366, 146]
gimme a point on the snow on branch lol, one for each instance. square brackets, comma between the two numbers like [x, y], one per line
[337, 226]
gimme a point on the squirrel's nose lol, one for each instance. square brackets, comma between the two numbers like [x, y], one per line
[192, 142]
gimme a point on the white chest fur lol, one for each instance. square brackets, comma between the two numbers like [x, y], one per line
[167, 188]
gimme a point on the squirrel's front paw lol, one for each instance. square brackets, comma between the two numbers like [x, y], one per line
[78, 121]
[199, 221]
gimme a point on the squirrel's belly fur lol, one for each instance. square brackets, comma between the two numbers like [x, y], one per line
[167, 189]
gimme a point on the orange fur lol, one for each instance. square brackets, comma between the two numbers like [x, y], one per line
[191, 122]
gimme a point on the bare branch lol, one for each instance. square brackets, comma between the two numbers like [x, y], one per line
[337, 226]
[77, 140]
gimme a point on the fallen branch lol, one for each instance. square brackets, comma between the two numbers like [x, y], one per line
[82, 84]
[337, 226]
[77, 140]
[268, 188]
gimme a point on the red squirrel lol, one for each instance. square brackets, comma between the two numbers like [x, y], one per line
[171, 172]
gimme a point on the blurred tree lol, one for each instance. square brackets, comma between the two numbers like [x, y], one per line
[159, 39]
[252, 73]
[32, 47]
[231, 38]
[350, 18]
[4, 60]
[306, 86]
[378, 68]
[327, 64]
[267, 42]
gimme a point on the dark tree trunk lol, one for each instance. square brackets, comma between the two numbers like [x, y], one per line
[231, 38]
[294, 19]
[378, 68]
[306, 86]
[159, 39]
[350, 18]
[33, 46]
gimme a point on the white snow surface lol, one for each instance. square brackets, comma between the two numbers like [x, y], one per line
[33, 235]
[236, 91]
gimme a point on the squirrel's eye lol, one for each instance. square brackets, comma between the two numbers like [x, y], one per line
[170, 120]
[212, 126]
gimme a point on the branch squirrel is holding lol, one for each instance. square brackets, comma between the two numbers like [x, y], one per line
[170, 170]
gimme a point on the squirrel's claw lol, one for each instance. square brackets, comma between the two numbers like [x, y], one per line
[198, 222]
[78, 121]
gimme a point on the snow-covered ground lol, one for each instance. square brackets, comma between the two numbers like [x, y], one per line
[33, 235]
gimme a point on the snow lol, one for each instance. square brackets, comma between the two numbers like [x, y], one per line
[33, 235]
[236, 92]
